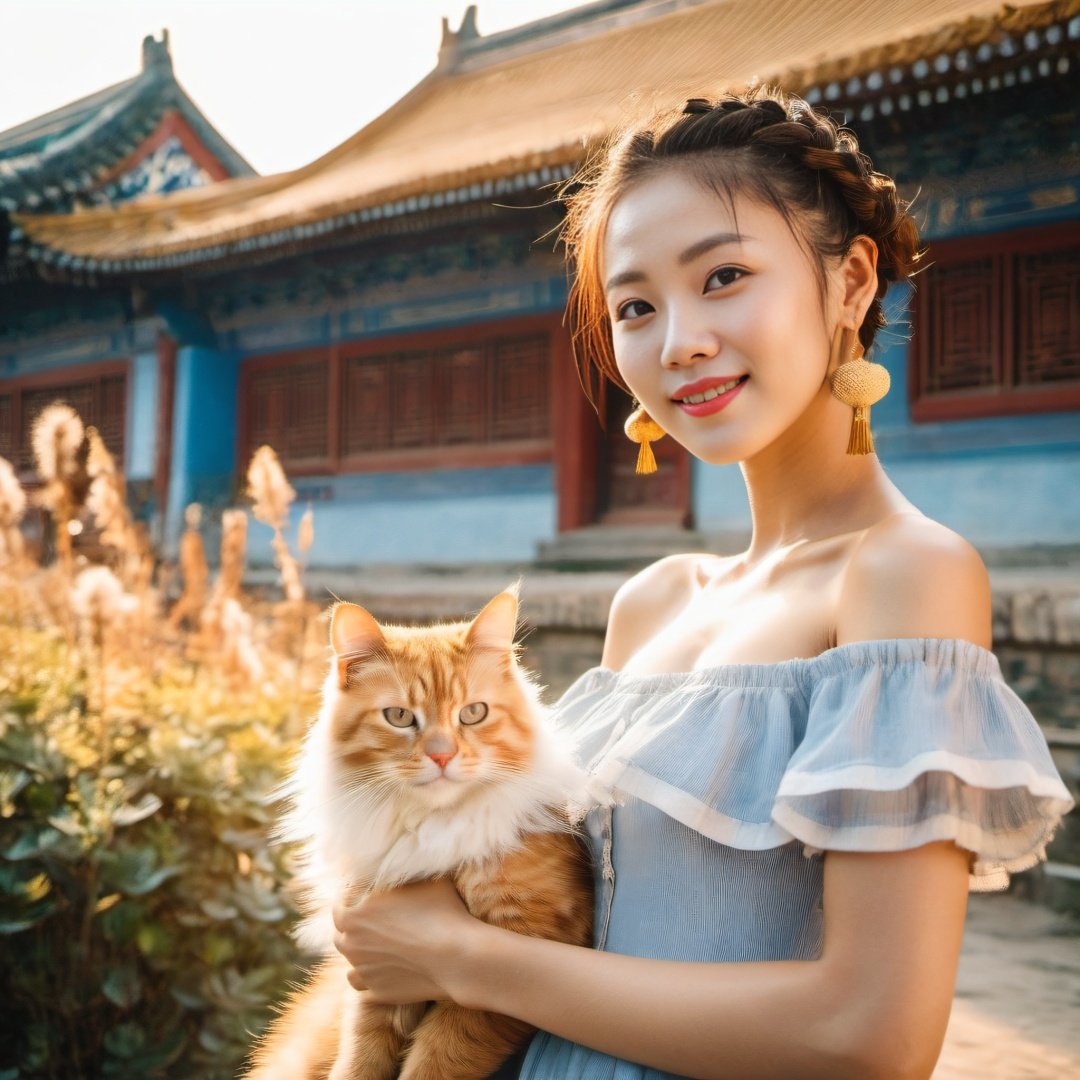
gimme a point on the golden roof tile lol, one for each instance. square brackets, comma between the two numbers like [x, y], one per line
[488, 120]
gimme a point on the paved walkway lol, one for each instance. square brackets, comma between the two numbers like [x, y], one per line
[1016, 1014]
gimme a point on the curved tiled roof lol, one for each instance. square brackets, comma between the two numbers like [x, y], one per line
[515, 111]
[52, 159]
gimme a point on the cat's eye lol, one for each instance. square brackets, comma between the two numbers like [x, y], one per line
[474, 713]
[399, 717]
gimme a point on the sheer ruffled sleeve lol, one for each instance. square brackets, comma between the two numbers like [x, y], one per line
[909, 742]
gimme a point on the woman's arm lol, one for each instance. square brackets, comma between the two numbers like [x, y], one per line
[874, 1006]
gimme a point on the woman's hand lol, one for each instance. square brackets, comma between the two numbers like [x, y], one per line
[404, 945]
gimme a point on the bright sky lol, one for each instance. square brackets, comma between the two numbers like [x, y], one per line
[282, 80]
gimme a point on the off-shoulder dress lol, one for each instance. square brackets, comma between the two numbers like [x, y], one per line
[730, 783]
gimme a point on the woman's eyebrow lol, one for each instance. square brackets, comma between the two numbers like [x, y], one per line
[630, 277]
[710, 242]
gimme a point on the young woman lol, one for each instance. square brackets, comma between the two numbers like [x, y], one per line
[811, 748]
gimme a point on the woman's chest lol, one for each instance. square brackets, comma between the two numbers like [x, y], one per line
[777, 614]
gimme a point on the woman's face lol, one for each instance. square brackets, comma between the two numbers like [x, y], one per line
[717, 318]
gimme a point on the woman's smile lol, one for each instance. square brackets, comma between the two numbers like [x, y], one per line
[708, 396]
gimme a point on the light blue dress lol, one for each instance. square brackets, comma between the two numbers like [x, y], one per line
[730, 782]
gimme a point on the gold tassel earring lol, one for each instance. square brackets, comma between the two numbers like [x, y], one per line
[641, 428]
[859, 383]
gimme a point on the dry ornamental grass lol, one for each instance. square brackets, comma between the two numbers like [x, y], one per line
[144, 923]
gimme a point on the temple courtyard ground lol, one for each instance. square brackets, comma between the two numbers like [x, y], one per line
[1016, 1013]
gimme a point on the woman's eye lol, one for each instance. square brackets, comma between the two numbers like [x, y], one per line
[725, 275]
[632, 309]
[474, 713]
[399, 717]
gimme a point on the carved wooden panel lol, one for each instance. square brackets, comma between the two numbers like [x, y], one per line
[963, 305]
[7, 426]
[447, 399]
[365, 412]
[479, 393]
[111, 413]
[997, 325]
[414, 401]
[307, 407]
[266, 407]
[287, 409]
[1047, 317]
[520, 378]
[464, 396]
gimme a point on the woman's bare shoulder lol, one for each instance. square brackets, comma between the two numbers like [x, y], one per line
[646, 601]
[911, 576]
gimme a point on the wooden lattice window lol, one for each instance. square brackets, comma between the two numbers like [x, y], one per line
[997, 326]
[287, 408]
[366, 407]
[481, 393]
[520, 381]
[7, 426]
[442, 399]
[466, 416]
[98, 394]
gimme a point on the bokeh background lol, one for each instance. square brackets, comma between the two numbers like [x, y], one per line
[329, 230]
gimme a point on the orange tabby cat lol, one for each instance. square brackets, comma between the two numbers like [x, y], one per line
[429, 758]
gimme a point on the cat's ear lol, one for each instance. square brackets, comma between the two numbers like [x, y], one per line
[354, 633]
[494, 627]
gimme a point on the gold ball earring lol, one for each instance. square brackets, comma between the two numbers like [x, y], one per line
[641, 428]
[859, 383]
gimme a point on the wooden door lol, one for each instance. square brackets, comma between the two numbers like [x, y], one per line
[627, 498]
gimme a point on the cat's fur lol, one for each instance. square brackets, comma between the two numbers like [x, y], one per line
[374, 809]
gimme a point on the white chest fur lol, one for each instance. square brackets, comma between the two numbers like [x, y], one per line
[358, 839]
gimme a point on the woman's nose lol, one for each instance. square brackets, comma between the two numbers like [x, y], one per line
[689, 340]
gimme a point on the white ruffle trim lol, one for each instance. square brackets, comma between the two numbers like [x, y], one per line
[995, 854]
[989, 866]
[689, 810]
[992, 775]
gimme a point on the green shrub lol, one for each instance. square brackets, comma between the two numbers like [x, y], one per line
[144, 928]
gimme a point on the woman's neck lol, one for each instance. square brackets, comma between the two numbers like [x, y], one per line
[805, 486]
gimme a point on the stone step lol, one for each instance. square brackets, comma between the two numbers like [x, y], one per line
[617, 546]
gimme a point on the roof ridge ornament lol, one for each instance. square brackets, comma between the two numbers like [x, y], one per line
[155, 54]
[453, 42]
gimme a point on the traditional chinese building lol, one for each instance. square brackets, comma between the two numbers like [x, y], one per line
[143, 136]
[389, 317]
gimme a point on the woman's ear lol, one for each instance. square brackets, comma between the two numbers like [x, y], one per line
[858, 275]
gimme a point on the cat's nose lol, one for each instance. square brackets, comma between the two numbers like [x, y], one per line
[442, 760]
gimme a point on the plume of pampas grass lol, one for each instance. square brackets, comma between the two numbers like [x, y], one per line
[12, 508]
[305, 533]
[240, 658]
[272, 495]
[99, 600]
[270, 492]
[227, 585]
[107, 501]
[193, 568]
[58, 440]
[234, 525]
[12, 496]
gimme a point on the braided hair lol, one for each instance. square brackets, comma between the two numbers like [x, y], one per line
[769, 145]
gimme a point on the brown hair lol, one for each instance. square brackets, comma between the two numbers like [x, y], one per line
[770, 145]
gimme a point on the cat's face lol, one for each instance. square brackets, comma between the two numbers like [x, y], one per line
[429, 713]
